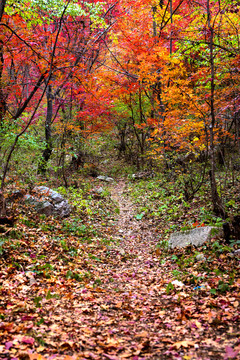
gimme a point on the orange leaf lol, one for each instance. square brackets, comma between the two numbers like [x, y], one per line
[184, 343]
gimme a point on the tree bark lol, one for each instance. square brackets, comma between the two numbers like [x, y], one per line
[2, 98]
[48, 133]
[2, 6]
[216, 200]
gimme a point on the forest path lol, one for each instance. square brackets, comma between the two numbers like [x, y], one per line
[134, 281]
[137, 237]
[109, 297]
[135, 268]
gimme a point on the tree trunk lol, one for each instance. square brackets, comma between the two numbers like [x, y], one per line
[2, 99]
[2, 6]
[2, 205]
[216, 200]
[48, 133]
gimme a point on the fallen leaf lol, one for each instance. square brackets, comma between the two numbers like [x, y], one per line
[230, 353]
[111, 357]
[8, 345]
[28, 340]
[184, 343]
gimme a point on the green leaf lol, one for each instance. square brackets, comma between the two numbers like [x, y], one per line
[169, 288]
[40, 322]
[37, 301]
[139, 216]
[213, 291]
[69, 274]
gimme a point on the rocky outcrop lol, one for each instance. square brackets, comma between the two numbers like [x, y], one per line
[49, 202]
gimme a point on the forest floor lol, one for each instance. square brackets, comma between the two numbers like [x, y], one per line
[103, 289]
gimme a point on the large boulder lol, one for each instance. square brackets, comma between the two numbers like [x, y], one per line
[197, 237]
[49, 202]
[42, 206]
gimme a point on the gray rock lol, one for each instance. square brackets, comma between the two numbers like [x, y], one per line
[116, 249]
[237, 253]
[48, 202]
[200, 257]
[105, 178]
[62, 209]
[99, 190]
[41, 206]
[56, 197]
[197, 237]
[45, 191]
[30, 199]
[44, 207]
[143, 175]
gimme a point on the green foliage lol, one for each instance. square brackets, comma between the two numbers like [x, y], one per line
[231, 204]
[162, 244]
[94, 257]
[40, 322]
[139, 216]
[220, 248]
[177, 274]
[37, 301]
[64, 245]
[222, 287]
[97, 282]
[44, 270]
[76, 228]
[30, 10]
[78, 276]
[117, 210]
[51, 296]
[23, 168]
[169, 288]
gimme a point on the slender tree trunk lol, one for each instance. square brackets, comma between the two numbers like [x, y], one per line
[2, 104]
[154, 10]
[216, 200]
[237, 130]
[48, 133]
[2, 99]
[171, 15]
[2, 6]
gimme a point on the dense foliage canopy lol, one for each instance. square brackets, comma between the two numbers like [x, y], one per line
[164, 74]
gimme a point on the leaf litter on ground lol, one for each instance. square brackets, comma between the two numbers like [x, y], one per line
[96, 286]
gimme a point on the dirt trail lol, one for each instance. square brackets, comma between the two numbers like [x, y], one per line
[136, 241]
[118, 307]
[134, 282]
[135, 234]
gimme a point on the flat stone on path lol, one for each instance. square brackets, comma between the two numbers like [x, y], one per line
[197, 237]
